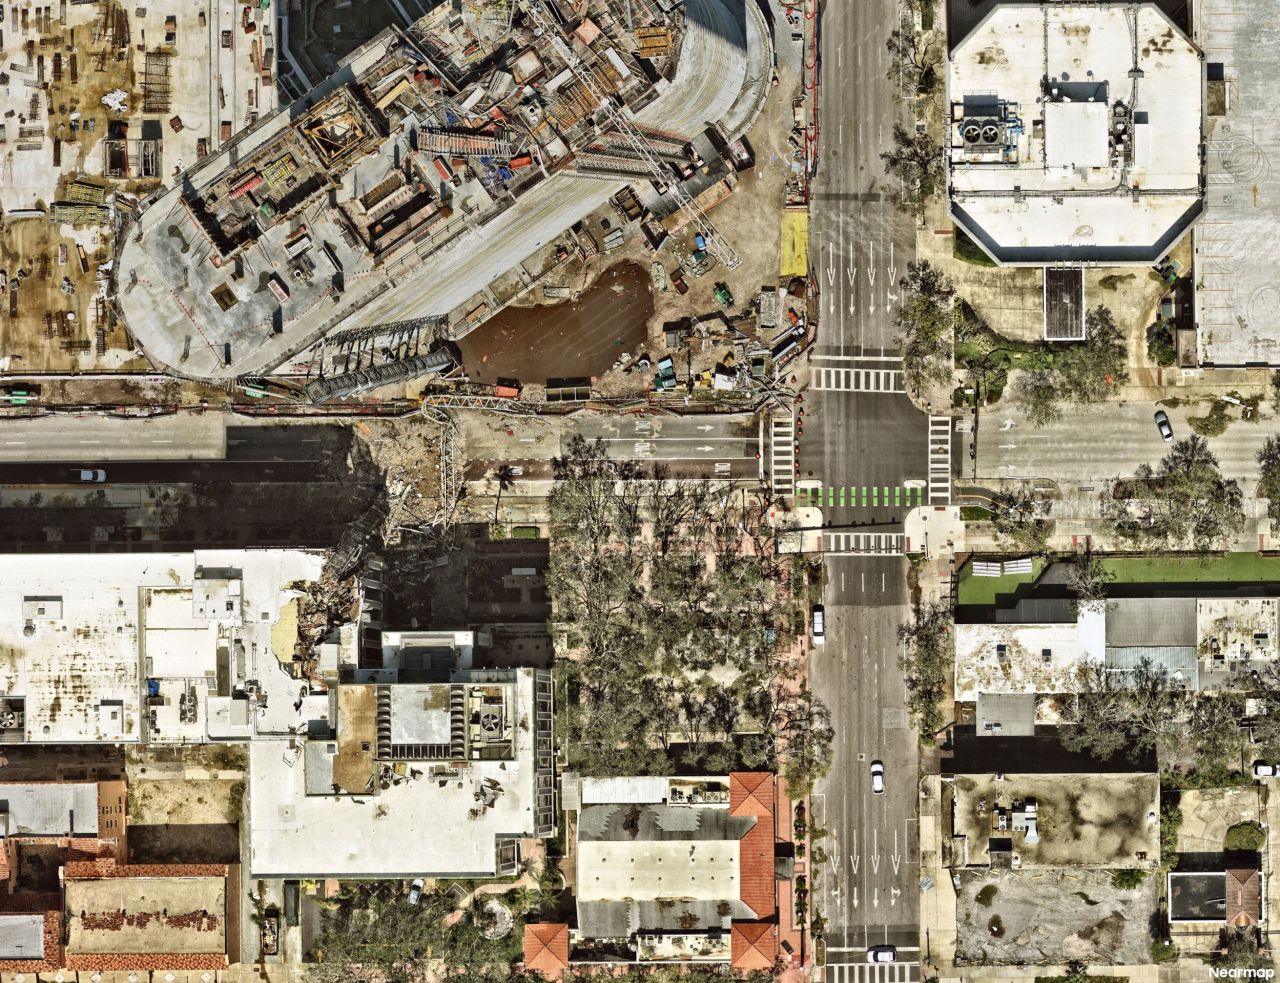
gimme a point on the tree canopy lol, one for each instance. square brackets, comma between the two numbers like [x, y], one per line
[925, 320]
[916, 161]
[1185, 501]
[927, 662]
[671, 605]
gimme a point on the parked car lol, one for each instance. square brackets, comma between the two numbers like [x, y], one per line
[92, 475]
[1263, 769]
[877, 777]
[819, 624]
[1162, 424]
[415, 891]
[882, 954]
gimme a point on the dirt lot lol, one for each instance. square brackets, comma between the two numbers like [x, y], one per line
[183, 820]
[583, 338]
[1048, 917]
[1083, 820]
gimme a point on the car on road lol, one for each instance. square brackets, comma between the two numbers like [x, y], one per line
[415, 891]
[882, 954]
[877, 777]
[90, 475]
[819, 630]
[1163, 425]
[1264, 769]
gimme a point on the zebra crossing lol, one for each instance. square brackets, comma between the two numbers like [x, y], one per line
[862, 543]
[864, 972]
[862, 496]
[940, 460]
[782, 453]
[853, 380]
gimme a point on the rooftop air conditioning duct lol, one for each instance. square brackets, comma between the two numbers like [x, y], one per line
[971, 132]
[990, 133]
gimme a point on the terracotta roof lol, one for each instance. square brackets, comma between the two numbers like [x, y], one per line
[81, 870]
[125, 961]
[754, 945]
[546, 949]
[1244, 898]
[751, 793]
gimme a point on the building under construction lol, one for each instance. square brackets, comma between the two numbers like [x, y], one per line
[416, 174]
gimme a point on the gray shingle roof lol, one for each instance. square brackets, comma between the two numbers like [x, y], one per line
[1151, 621]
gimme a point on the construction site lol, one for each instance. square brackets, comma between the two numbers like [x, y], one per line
[101, 104]
[434, 176]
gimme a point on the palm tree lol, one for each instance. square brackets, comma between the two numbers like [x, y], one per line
[506, 478]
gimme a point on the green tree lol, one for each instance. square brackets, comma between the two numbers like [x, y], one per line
[925, 320]
[1269, 477]
[805, 739]
[1275, 390]
[1184, 502]
[1093, 371]
[1238, 949]
[1170, 824]
[1020, 520]
[926, 661]
[1098, 716]
[916, 161]
[1036, 392]
[1161, 348]
[1088, 580]
[1265, 690]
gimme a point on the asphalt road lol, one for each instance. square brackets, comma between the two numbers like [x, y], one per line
[711, 447]
[856, 441]
[131, 454]
[1094, 444]
[100, 438]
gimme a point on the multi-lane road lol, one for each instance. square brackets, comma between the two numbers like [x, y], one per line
[868, 448]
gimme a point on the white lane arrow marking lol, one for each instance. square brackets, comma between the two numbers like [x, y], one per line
[893, 270]
[893, 896]
[706, 428]
[895, 857]
[855, 896]
[705, 448]
[831, 266]
[875, 851]
[852, 272]
[875, 899]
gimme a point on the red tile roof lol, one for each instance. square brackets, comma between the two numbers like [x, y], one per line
[753, 945]
[106, 961]
[751, 793]
[85, 870]
[1244, 898]
[546, 949]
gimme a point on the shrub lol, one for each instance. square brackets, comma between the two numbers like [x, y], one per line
[1161, 347]
[1127, 879]
[1163, 951]
[1250, 837]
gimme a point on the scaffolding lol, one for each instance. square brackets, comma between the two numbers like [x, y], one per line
[155, 82]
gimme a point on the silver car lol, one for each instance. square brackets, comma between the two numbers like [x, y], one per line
[1163, 425]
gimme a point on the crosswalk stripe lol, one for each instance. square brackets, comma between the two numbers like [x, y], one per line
[857, 380]
[863, 543]
[940, 460]
[782, 453]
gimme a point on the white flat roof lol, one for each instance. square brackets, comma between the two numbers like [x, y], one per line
[1075, 135]
[417, 827]
[81, 664]
[1023, 666]
[1072, 189]
[702, 870]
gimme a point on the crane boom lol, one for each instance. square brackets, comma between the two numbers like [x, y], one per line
[716, 243]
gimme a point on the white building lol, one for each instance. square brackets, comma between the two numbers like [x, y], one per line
[1075, 133]
[155, 647]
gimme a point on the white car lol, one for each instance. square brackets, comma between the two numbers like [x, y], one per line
[415, 891]
[819, 624]
[1262, 769]
[882, 954]
[877, 777]
[90, 475]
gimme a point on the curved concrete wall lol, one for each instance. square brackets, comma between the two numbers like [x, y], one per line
[723, 76]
